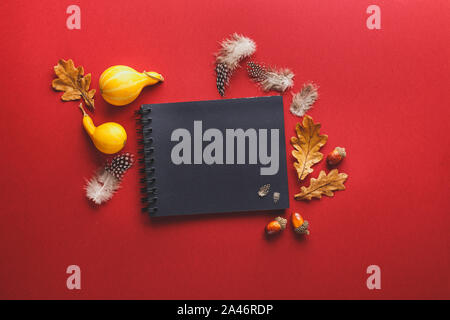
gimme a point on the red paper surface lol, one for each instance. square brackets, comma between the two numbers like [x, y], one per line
[384, 96]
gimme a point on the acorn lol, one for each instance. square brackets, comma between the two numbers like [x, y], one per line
[300, 225]
[336, 156]
[276, 225]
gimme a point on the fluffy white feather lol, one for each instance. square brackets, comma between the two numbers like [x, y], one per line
[303, 101]
[234, 49]
[278, 80]
[102, 187]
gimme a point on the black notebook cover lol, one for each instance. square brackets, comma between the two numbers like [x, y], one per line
[213, 156]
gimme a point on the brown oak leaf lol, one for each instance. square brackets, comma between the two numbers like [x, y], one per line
[73, 83]
[307, 144]
[323, 185]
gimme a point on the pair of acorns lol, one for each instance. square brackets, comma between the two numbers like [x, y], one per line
[279, 224]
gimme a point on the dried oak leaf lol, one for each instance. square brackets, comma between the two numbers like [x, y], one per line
[71, 81]
[323, 185]
[307, 145]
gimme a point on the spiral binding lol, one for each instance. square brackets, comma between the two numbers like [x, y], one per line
[146, 160]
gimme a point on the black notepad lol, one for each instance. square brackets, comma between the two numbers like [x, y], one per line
[213, 156]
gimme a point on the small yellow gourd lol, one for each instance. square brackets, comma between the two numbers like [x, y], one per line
[109, 137]
[120, 85]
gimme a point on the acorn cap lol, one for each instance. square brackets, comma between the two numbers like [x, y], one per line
[341, 151]
[303, 229]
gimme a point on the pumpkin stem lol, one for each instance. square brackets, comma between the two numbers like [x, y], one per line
[160, 78]
[82, 110]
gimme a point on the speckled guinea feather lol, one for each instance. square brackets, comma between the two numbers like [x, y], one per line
[270, 78]
[102, 187]
[106, 181]
[303, 101]
[232, 51]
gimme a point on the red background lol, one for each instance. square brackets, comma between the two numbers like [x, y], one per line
[384, 96]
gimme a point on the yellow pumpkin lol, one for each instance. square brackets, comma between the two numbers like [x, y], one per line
[109, 137]
[121, 85]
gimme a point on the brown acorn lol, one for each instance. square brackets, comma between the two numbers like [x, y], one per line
[336, 156]
[276, 225]
[300, 225]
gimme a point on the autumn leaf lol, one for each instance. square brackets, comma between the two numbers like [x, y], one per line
[307, 145]
[73, 83]
[323, 185]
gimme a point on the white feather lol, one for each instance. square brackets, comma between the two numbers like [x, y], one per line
[101, 187]
[303, 101]
[279, 80]
[234, 49]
